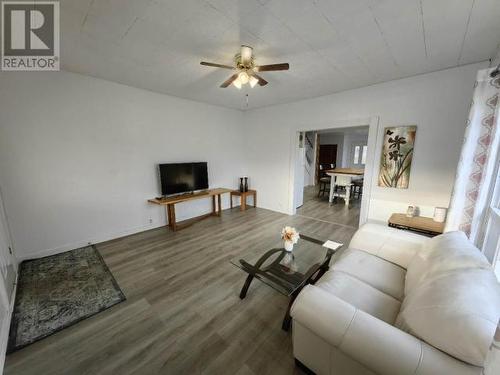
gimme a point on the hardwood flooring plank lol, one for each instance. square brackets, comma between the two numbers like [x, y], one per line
[183, 314]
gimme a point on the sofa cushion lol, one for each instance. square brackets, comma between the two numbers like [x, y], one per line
[456, 312]
[447, 252]
[360, 295]
[379, 273]
[394, 245]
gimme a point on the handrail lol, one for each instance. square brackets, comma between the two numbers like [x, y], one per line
[309, 141]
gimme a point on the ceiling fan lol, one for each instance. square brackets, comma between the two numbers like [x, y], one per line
[246, 70]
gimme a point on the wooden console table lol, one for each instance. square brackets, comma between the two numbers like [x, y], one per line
[420, 224]
[243, 198]
[170, 203]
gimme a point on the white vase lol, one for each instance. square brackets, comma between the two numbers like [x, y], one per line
[288, 245]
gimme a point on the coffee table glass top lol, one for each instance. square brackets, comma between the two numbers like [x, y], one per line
[274, 268]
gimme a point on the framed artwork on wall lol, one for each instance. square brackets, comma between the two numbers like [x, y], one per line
[397, 155]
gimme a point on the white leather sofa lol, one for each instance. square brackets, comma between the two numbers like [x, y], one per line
[399, 303]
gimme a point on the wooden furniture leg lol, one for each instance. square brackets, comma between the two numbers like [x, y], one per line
[255, 199]
[169, 216]
[243, 200]
[219, 204]
[347, 194]
[332, 189]
[172, 216]
[231, 199]
[214, 211]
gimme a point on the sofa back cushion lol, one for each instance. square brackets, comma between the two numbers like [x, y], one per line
[456, 312]
[447, 252]
[394, 245]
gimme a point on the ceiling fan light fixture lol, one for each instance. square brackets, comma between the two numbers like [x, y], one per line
[246, 54]
[253, 81]
[237, 83]
[243, 77]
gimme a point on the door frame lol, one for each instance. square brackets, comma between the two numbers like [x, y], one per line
[369, 177]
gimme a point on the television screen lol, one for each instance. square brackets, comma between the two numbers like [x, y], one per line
[183, 177]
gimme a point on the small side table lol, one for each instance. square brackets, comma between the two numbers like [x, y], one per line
[243, 198]
[419, 224]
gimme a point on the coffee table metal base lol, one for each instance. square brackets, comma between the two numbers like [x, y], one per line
[312, 275]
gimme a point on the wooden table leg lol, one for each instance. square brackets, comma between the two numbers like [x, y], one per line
[169, 216]
[347, 194]
[172, 216]
[255, 199]
[219, 204]
[231, 199]
[243, 201]
[214, 211]
[332, 189]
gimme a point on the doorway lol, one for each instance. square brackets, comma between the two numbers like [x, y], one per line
[351, 146]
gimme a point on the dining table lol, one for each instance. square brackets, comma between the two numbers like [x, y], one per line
[342, 177]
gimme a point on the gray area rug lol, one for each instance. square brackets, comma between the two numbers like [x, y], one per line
[58, 291]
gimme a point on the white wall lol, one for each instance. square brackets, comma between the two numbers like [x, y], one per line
[437, 103]
[78, 156]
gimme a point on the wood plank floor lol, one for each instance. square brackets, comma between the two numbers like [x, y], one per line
[183, 314]
[318, 208]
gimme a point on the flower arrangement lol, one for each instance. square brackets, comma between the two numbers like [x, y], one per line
[290, 237]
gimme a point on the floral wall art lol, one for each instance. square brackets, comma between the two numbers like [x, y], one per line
[397, 154]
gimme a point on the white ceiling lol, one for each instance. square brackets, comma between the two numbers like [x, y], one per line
[331, 45]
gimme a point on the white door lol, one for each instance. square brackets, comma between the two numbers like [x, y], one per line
[8, 270]
[357, 158]
[8, 264]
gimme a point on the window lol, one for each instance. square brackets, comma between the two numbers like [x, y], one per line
[358, 154]
[363, 158]
[491, 244]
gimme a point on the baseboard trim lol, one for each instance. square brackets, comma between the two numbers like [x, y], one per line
[95, 240]
[82, 243]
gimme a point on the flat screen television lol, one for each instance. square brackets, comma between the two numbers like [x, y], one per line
[183, 177]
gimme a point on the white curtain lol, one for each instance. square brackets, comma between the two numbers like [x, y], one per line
[471, 191]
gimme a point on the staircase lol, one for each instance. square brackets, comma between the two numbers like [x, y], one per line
[309, 162]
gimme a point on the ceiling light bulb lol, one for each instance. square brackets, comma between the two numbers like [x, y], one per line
[246, 54]
[237, 83]
[253, 81]
[243, 77]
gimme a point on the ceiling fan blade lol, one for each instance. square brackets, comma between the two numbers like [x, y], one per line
[262, 81]
[216, 65]
[272, 67]
[246, 54]
[228, 81]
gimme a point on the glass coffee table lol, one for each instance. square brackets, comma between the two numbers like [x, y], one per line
[275, 268]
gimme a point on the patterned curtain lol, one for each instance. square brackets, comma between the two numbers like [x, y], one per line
[477, 160]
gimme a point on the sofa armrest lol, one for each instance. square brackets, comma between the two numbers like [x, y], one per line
[373, 343]
[395, 245]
